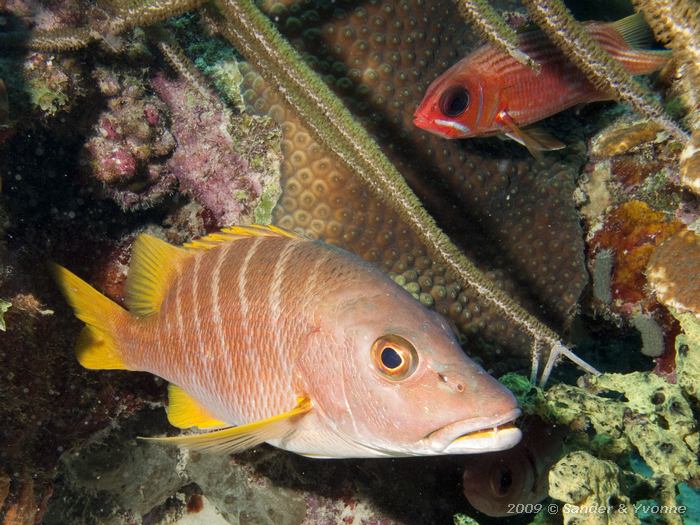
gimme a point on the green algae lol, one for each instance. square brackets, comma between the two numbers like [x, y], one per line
[463, 519]
[262, 213]
[216, 60]
[688, 354]
[4, 307]
[587, 486]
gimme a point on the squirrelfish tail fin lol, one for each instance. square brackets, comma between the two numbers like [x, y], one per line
[638, 59]
[97, 346]
[635, 31]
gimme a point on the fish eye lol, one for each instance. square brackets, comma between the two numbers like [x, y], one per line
[503, 480]
[454, 101]
[394, 357]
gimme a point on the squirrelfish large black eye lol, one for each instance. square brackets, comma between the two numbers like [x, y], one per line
[454, 101]
[394, 357]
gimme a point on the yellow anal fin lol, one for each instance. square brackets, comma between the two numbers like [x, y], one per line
[97, 346]
[153, 265]
[235, 233]
[185, 412]
[237, 439]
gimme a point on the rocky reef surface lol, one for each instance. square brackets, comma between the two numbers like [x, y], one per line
[168, 130]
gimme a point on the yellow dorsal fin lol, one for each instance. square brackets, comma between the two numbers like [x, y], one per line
[153, 263]
[237, 439]
[239, 232]
[185, 412]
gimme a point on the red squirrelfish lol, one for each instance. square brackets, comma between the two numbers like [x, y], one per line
[490, 93]
[266, 336]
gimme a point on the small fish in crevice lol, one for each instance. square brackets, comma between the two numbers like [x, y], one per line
[508, 483]
[490, 93]
[269, 337]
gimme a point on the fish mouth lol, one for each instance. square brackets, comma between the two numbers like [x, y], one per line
[477, 434]
[444, 128]
[421, 122]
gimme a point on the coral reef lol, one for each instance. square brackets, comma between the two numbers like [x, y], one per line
[183, 159]
[587, 486]
[227, 172]
[672, 272]
[688, 356]
[47, 89]
[632, 202]
[130, 143]
[632, 231]
[438, 246]
[677, 24]
[617, 417]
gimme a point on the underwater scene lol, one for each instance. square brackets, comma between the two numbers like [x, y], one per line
[359, 262]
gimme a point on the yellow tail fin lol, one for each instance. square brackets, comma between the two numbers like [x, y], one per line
[96, 346]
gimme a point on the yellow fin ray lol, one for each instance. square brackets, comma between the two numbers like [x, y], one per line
[96, 347]
[153, 265]
[185, 412]
[237, 439]
[234, 233]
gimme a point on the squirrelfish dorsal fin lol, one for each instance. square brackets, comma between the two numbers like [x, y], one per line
[635, 31]
[239, 232]
[237, 439]
[153, 264]
[185, 412]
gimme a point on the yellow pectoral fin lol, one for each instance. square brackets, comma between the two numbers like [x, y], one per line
[185, 412]
[237, 439]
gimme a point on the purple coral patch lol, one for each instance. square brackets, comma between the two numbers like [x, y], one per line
[206, 162]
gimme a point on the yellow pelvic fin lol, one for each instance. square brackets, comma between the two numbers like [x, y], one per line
[237, 439]
[234, 233]
[153, 265]
[185, 412]
[96, 346]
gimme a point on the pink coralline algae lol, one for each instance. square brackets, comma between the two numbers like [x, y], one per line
[131, 143]
[208, 163]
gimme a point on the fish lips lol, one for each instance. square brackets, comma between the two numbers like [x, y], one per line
[444, 128]
[478, 434]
